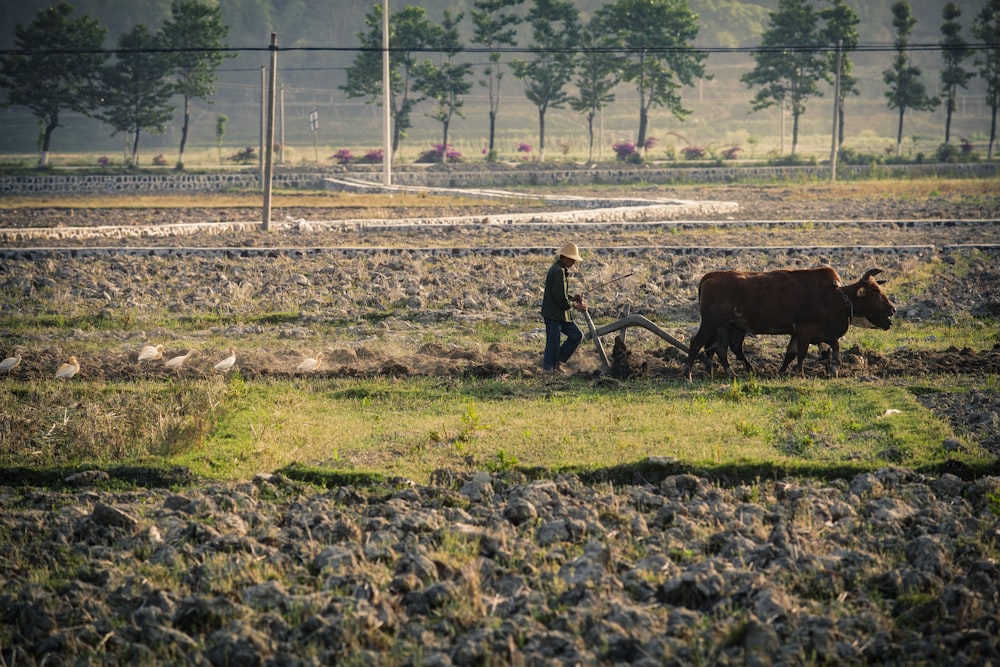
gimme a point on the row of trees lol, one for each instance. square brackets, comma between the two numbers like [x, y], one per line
[64, 67]
[61, 63]
[649, 44]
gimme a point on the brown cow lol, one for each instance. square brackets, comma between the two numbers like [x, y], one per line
[813, 306]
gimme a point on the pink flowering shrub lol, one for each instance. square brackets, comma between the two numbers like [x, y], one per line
[374, 156]
[438, 152]
[731, 153]
[693, 152]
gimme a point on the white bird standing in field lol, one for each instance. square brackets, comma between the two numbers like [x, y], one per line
[227, 363]
[150, 352]
[10, 363]
[310, 364]
[68, 369]
[178, 361]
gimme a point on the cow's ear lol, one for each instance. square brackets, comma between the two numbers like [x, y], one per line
[860, 293]
[881, 282]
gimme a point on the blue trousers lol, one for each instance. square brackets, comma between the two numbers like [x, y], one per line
[554, 352]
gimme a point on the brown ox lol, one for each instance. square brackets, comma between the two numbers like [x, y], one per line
[813, 306]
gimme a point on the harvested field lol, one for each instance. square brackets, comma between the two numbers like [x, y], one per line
[665, 567]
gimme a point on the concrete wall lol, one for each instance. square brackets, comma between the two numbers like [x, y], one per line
[40, 184]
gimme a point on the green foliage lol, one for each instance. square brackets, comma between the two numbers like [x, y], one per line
[906, 90]
[598, 74]
[445, 82]
[495, 27]
[994, 504]
[658, 37]
[410, 31]
[136, 87]
[953, 75]
[986, 29]
[555, 33]
[789, 63]
[239, 426]
[195, 33]
[57, 68]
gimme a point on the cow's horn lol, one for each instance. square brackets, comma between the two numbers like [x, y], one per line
[869, 273]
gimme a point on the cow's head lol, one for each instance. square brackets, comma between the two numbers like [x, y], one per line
[872, 307]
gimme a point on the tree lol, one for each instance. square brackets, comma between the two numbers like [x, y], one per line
[954, 51]
[409, 30]
[220, 131]
[842, 28]
[598, 72]
[906, 90]
[194, 33]
[986, 28]
[789, 61]
[555, 32]
[58, 69]
[445, 82]
[137, 88]
[495, 27]
[656, 36]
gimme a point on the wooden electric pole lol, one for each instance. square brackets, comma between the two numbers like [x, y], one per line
[836, 111]
[269, 132]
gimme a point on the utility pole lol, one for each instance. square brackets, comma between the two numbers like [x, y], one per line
[263, 113]
[281, 115]
[386, 96]
[836, 111]
[269, 147]
[314, 127]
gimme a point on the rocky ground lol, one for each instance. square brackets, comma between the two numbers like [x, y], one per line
[671, 567]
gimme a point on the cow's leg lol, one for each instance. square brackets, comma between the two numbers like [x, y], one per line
[706, 333]
[833, 360]
[736, 337]
[803, 336]
[722, 343]
[790, 353]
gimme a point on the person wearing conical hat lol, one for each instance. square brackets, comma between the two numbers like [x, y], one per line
[557, 306]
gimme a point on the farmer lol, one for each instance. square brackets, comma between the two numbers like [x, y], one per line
[556, 305]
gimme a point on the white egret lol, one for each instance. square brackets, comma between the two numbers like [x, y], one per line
[176, 362]
[150, 352]
[227, 363]
[10, 363]
[310, 364]
[68, 369]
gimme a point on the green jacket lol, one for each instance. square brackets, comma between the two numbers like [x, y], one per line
[555, 300]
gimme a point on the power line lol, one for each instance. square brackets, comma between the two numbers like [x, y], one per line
[782, 48]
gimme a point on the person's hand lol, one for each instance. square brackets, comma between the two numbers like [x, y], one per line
[579, 303]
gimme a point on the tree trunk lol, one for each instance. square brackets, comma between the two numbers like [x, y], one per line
[840, 123]
[640, 141]
[590, 132]
[135, 149]
[444, 142]
[993, 133]
[184, 130]
[949, 109]
[493, 129]
[899, 132]
[395, 133]
[795, 131]
[541, 134]
[50, 127]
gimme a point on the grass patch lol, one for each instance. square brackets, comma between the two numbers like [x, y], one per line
[375, 429]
